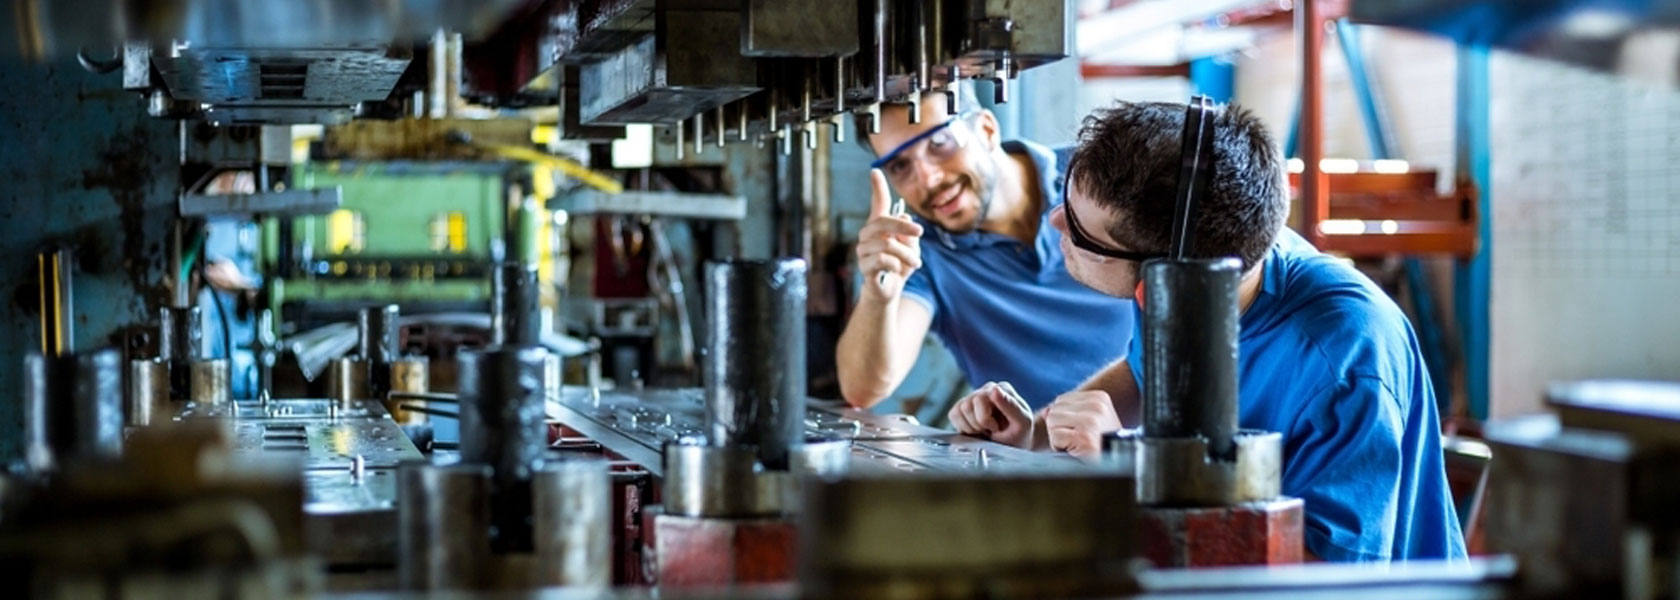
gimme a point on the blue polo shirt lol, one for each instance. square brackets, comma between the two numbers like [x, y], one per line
[1327, 359]
[1009, 311]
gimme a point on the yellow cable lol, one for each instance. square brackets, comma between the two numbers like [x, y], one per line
[41, 282]
[58, 311]
[571, 168]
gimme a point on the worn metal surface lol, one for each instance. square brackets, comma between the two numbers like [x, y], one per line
[409, 374]
[1250, 533]
[681, 205]
[754, 373]
[1190, 351]
[637, 425]
[347, 379]
[328, 444]
[86, 168]
[378, 335]
[1178, 472]
[806, 28]
[956, 536]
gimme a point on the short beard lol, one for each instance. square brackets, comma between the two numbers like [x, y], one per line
[984, 183]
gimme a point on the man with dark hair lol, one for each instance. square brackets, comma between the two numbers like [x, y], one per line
[1325, 357]
[977, 263]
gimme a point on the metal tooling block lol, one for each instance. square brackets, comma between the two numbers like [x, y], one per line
[329, 444]
[637, 425]
[666, 78]
[698, 551]
[1251, 533]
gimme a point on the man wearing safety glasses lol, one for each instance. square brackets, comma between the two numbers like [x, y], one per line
[1324, 356]
[976, 262]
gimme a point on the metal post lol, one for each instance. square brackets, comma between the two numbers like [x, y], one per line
[1190, 351]
[755, 373]
[73, 407]
[1315, 188]
[501, 393]
[513, 305]
[377, 344]
[443, 525]
[573, 519]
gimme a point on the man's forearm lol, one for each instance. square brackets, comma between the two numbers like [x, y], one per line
[866, 360]
[1122, 388]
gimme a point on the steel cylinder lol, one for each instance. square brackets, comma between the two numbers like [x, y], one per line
[514, 302]
[443, 526]
[347, 379]
[501, 394]
[573, 519]
[180, 342]
[211, 381]
[411, 374]
[148, 392]
[754, 373]
[73, 407]
[1190, 351]
[376, 342]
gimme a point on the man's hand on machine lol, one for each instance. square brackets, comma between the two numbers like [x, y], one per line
[995, 412]
[1076, 422]
[889, 245]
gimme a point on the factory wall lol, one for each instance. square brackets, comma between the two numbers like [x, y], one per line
[1586, 202]
[84, 169]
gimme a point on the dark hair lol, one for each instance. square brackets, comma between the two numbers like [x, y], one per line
[1128, 161]
[967, 102]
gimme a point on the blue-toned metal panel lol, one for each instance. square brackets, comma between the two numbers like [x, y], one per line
[1472, 278]
[84, 167]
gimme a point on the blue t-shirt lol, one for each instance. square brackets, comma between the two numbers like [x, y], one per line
[1328, 360]
[1009, 311]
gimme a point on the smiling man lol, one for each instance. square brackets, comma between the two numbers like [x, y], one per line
[976, 263]
[1325, 357]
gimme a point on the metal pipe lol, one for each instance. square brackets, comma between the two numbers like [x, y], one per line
[720, 126]
[880, 58]
[513, 305]
[839, 84]
[741, 118]
[347, 379]
[699, 133]
[1190, 351]
[1315, 187]
[679, 146]
[755, 373]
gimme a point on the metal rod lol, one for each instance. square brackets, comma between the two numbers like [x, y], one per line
[880, 57]
[771, 106]
[720, 126]
[1190, 351]
[1000, 82]
[915, 107]
[953, 91]
[680, 140]
[924, 70]
[755, 373]
[741, 117]
[839, 84]
[427, 396]
[430, 411]
[1315, 192]
[699, 133]
[514, 303]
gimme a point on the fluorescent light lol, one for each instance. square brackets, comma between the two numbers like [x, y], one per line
[1390, 227]
[1296, 165]
[1338, 165]
[1341, 227]
[1390, 166]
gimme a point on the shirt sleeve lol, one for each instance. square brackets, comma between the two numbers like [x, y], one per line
[1344, 460]
[919, 287]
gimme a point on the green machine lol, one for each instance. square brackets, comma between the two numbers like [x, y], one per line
[422, 234]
